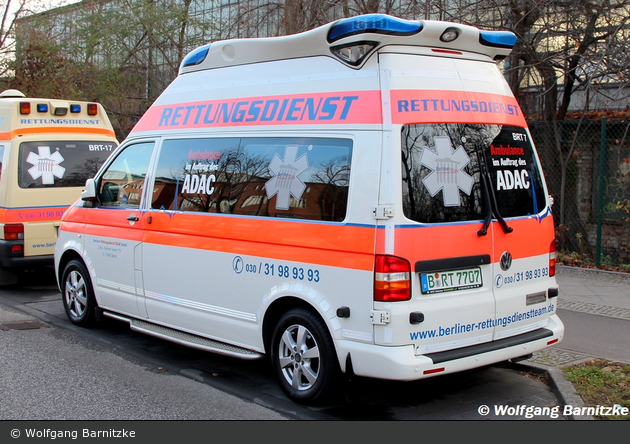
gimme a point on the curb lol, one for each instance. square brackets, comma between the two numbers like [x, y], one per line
[593, 273]
[560, 387]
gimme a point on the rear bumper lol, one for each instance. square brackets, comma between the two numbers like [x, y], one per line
[10, 259]
[401, 364]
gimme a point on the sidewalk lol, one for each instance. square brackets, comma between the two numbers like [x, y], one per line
[588, 291]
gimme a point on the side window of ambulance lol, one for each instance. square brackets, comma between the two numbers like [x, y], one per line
[299, 178]
[122, 182]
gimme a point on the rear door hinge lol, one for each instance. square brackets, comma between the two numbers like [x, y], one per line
[379, 317]
[383, 212]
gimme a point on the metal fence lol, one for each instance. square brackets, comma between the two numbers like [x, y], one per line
[587, 168]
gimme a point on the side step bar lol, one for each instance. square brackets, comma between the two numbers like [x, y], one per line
[187, 339]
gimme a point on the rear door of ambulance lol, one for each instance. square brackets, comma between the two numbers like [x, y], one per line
[462, 138]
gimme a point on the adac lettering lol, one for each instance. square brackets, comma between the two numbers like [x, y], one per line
[293, 109]
[517, 176]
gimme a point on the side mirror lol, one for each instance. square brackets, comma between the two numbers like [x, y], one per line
[89, 193]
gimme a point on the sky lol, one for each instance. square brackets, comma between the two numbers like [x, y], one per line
[38, 5]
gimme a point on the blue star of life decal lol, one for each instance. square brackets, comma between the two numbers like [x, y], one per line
[286, 182]
[45, 165]
[447, 174]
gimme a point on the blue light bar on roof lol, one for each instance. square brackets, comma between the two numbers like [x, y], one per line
[75, 108]
[497, 39]
[373, 23]
[197, 56]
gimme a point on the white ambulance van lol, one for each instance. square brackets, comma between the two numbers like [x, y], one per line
[48, 149]
[360, 199]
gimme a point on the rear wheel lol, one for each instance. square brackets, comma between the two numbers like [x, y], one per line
[78, 294]
[303, 357]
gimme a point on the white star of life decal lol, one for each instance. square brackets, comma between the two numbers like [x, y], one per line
[286, 181]
[45, 165]
[447, 174]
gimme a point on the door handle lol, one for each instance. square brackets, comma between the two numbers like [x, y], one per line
[133, 218]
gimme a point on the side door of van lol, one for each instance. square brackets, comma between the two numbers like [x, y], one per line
[114, 230]
[234, 220]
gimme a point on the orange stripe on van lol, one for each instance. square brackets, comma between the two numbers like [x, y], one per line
[9, 135]
[346, 246]
[330, 108]
[438, 106]
[530, 237]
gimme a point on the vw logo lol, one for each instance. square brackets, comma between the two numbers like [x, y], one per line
[506, 261]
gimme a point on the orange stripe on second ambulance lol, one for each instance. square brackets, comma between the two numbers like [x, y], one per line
[34, 214]
[9, 135]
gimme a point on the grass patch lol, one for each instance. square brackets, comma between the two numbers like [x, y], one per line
[601, 383]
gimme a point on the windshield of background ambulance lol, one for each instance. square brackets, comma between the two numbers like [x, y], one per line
[60, 164]
[441, 174]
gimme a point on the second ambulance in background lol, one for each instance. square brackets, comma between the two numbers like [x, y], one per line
[48, 148]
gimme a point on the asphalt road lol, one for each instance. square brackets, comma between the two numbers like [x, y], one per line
[113, 372]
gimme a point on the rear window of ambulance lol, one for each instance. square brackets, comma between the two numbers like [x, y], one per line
[444, 166]
[58, 164]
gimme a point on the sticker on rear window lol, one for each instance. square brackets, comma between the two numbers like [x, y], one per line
[46, 165]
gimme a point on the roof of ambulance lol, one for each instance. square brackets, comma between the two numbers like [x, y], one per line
[378, 29]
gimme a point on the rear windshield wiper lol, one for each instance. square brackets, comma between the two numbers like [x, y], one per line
[489, 198]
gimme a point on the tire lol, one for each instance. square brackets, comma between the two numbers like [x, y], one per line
[78, 294]
[303, 358]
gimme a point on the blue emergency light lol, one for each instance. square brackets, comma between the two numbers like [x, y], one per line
[75, 108]
[373, 23]
[42, 107]
[497, 39]
[196, 57]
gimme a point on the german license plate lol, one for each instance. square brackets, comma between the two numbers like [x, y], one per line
[453, 280]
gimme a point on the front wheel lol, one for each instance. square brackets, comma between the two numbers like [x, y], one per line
[78, 294]
[303, 357]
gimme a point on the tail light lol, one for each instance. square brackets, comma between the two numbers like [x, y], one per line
[552, 258]
[13, 231]
[92, 109]
[392, 279]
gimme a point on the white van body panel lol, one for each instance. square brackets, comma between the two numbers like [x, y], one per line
[365, 193]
